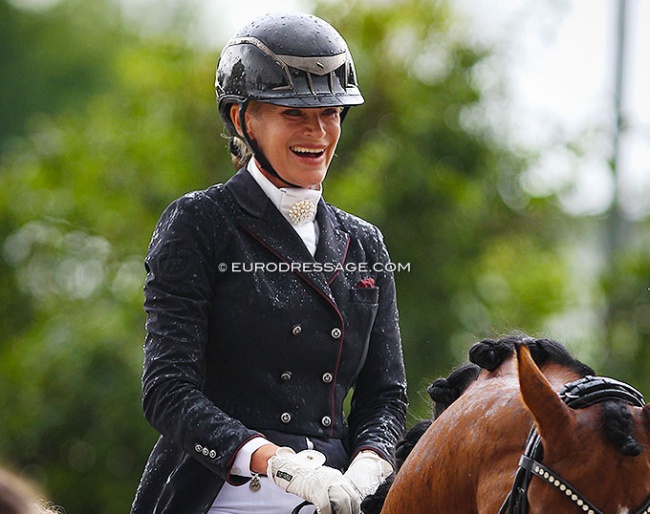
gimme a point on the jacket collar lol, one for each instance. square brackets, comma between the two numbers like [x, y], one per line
[266, 224]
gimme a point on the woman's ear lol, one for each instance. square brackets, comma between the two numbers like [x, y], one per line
[234, 116]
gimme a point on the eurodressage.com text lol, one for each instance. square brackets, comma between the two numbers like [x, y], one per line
[313, 267]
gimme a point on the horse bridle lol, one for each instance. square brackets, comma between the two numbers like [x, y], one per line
[581, 393]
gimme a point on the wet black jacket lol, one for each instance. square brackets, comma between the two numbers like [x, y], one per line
[247, 333]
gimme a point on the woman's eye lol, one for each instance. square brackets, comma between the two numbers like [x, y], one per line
[334, 111]
[297, 114]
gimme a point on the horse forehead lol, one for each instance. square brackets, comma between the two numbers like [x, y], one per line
[631, 484]
[589, 427]
[641, 424]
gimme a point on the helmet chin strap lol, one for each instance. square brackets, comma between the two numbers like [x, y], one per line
[257, 151]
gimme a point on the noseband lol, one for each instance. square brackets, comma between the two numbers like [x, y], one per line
[577, 395]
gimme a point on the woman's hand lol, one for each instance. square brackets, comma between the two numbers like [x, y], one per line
[260, 458]
[304, 475]
[367, 471]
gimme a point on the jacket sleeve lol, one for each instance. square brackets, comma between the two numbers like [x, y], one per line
[378, 409]
[181, 269]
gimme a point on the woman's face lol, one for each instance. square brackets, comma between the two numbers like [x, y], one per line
[299, 143]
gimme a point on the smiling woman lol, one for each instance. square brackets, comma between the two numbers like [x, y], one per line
[300, 66]
[267, 306]
[301, 142]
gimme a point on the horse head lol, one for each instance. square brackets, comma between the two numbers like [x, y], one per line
[588, 453]
[600, 454]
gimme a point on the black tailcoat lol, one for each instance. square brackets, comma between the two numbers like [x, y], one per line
[248, 334]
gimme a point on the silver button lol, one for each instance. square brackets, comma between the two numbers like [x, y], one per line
[285, 417]
[206, 452]
[286, 376]
[327, 377]
[336, 333]
[296, 330]
[213, 454]
[198, 448]
[326, 421]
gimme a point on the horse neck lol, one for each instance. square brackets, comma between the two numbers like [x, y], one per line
[463, 443]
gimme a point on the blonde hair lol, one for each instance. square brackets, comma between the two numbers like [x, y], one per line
[18, 496]
[240, 153]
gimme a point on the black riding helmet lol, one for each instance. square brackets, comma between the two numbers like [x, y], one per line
[292, 60]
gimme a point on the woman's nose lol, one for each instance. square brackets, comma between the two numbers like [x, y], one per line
[314, 125]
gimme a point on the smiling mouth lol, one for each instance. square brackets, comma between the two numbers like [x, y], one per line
[310, 153]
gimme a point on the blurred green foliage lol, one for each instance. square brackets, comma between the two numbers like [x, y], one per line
[421, 151]
[100, 129]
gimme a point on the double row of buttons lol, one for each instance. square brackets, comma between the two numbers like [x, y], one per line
[327, 377]
[336, 332]
[286, 417]
[207, 452]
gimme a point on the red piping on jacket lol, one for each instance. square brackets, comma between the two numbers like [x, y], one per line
[338, 313]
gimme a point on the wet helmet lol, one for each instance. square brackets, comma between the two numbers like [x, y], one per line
[292, 60]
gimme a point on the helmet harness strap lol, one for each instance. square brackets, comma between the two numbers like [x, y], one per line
[257, 151]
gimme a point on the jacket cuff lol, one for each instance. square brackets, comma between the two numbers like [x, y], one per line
[383, 455]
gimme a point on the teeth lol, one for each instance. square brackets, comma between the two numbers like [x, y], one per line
[302, 149]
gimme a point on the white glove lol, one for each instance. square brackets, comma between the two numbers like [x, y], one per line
[304, 475]
[367, 471]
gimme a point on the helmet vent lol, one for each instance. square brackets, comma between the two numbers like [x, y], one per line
[320, 65]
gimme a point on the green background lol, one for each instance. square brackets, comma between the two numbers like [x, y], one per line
[102, 125]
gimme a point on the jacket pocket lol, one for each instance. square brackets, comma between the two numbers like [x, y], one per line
[364, 295]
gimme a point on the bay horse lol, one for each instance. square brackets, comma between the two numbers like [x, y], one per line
[585, 449]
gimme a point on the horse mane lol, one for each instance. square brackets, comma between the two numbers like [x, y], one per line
[489, 354]
[445, 391]
[617, 426]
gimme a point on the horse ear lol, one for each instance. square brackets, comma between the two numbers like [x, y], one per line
[544, 403]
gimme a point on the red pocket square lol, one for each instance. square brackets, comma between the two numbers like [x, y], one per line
[366, 283]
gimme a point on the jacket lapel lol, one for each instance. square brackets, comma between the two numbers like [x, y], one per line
[333, 242]
[266, 224]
